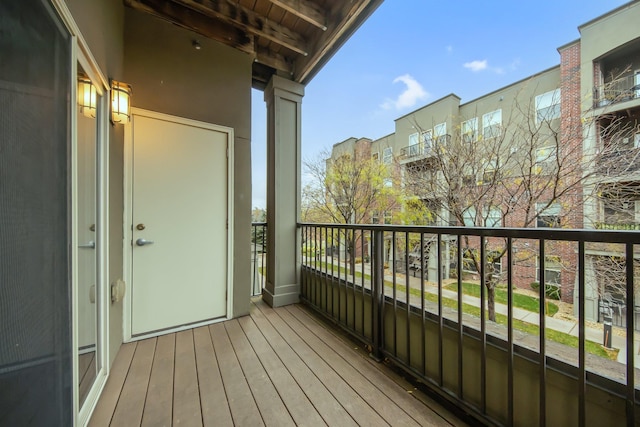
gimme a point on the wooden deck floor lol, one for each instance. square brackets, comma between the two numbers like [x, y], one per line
[276, 367]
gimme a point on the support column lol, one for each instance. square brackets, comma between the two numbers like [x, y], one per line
[283, 98]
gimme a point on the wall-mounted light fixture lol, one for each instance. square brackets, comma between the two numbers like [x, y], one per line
[87, 97]
[120, 102]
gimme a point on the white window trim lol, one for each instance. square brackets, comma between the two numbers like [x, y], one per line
[469, 127]
[387, 155]
[547, 100]
[489, 120]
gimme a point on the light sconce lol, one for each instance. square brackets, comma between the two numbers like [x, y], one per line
[87, 97]
[120, 102]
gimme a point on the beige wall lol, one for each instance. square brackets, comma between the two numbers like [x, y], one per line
[440, 111]
[169, 76]
[212, 85]
[101, 26]
[601, 36]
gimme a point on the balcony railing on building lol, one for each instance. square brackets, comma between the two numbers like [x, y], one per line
[423, 149]
[524, 368]
[258, 257]
[619, 90]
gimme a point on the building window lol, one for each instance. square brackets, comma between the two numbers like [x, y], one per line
[493, 218]
[621, 212]
[387, 182]
[552, 275]
[469, 217]
[414, 145]
[387, 155]
[490, 171]
[492, 124]
[469, 130]
[375, 219]
[548, 106]
[546, 154]
[440, 132]
[388, 217]
[426, 138]
[548, 215]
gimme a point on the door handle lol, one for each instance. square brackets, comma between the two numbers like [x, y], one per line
[142, 242]
[90, 245]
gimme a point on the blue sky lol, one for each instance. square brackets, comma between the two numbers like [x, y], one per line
[412, 52]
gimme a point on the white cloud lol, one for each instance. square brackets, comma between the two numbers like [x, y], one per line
[449, 48]
[476, 65]
[413, 93]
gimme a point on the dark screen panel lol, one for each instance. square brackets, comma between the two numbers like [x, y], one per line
[35, 299]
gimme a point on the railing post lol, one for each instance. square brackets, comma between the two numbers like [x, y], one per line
[377, 292]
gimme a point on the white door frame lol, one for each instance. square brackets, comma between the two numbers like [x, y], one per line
[127, 249]
[80, 53]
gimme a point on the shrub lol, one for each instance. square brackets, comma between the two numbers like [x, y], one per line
[550, 291]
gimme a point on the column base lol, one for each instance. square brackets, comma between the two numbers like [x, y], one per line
[283, 295]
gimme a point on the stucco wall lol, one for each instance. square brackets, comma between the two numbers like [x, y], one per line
[212, 85]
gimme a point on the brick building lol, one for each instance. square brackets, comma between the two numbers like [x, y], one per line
[557, 149]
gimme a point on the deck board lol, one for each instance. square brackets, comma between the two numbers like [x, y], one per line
[134, 392]
[103, 413]
[213, 400]
[276, 367]
[158, 410]
[186, 393]
[332, 413]
[272, 409]
[300, 407]
[241, 402]
[367, 368]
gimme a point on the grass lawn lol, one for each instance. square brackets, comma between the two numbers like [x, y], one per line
[521, 301]
[552, 335]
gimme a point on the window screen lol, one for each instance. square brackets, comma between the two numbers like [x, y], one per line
[35, 309]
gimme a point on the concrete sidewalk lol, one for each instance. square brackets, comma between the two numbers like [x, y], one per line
[561, 325]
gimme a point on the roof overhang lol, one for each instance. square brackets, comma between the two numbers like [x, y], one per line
[293, 38]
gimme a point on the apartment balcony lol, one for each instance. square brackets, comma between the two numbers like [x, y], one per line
[619, 161]
[617, 226]
[500, 362]
[625, 89]
[422, 150]
[276, 367]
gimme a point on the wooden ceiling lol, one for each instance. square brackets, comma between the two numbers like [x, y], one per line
[289, 37]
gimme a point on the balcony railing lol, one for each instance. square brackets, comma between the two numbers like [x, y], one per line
[617, 226]
[436, 325]
[619, 90]
[258, 257]
[424, 148]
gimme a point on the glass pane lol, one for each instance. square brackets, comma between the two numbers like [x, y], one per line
[87, 139]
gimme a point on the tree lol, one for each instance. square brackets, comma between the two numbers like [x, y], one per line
[348, 189]
[523, 168]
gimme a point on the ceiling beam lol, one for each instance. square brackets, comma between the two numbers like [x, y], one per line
[342, 23]
[304, 9]
[196, 22]
[274, 60]
[249, 21]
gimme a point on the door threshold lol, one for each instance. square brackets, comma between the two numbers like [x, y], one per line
[180, 328]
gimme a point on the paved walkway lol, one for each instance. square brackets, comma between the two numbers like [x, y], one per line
[561, 325]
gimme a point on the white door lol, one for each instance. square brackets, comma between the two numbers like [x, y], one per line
[179, 217]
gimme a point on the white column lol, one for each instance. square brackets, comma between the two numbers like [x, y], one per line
[283, 98]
